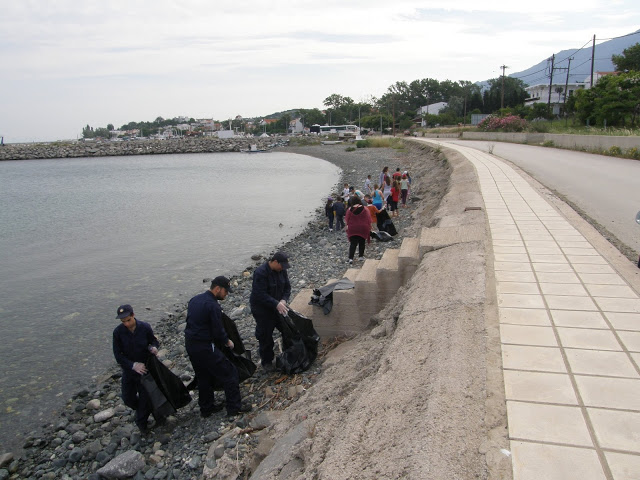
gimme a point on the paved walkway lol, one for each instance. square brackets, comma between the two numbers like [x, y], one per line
[570, 333]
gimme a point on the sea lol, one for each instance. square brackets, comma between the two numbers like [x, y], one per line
[79, 237]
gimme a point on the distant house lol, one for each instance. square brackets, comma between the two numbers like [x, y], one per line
[540, 94]
[432, 109]
[597, 76]
[296, 126]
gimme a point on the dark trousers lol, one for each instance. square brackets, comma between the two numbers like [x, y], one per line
[210, 364]
[339, 222]
[265, 325]
[331, 221]
[356, 241]
[404, 196]
[135, 397]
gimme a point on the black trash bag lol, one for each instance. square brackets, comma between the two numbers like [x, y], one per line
[381, 236]
[323, 296]
[160, 406]
[239, 356]
[169, 383]
[385, 224]
[300, 342]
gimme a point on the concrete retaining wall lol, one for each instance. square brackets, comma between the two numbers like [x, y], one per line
[594, 143]
[133, 147]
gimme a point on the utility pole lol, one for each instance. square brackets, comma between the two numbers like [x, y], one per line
[503, 67]
[593, 59]
[566, 92]
[553, 60]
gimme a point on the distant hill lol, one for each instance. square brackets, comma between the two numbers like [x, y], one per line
[581, 63]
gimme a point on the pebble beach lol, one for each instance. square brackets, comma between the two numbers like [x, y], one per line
[95, 427]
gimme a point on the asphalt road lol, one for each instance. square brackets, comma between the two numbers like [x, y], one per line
[606, 188]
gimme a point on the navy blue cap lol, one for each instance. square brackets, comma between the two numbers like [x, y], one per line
[124, 311]
[282, 258]
[222, 282]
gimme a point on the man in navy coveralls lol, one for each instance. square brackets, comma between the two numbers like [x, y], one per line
[133, 342]
[269, 296]
[204, 325]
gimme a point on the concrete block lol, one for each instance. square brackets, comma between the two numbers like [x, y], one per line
[388, 276]
[440, 237]
[409, 258]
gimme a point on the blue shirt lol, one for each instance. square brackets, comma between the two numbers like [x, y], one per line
[269, 287]
[204, 319]
[130, 347]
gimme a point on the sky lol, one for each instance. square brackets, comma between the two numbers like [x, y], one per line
[66, 64]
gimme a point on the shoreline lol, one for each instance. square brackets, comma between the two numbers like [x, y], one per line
[310, 269]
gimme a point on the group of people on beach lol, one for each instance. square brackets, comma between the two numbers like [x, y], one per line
[205, 338]
[363, 206]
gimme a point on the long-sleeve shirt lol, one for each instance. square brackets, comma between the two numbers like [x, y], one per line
[204, 320]
[130, 347]
[269, 287]
[358, 222]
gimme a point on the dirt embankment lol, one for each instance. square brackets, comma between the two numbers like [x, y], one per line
[419, 395]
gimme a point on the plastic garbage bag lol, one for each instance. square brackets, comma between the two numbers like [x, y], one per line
[385, 224]
[381, 236]
[323, 296]
[160, 406]
[168, 383]
[300, 343]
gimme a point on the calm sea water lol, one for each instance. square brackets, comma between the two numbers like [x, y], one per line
[79, 237]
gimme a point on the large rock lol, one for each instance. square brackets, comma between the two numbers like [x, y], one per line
[125, 465]
[104, 415]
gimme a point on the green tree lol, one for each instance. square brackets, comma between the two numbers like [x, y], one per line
[311, 116]
[614, 100]
[110, 127]
[514, 93]
[629, 60]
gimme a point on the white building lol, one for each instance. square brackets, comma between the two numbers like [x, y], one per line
[296, 126]
[540, 94]
[432, 109]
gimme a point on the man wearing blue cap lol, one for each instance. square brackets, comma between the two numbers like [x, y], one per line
[133, 342]
[269, 296]
[204, 327]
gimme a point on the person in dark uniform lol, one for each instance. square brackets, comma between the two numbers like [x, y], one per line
[133, 342]
[269, 296]
[204, 326]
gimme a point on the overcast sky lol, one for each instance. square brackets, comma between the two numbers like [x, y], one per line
[66, 64]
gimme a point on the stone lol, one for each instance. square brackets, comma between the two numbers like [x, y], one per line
[76, 455]
[125, 465]
[79, 437]
[194, 462]
[5, 459]
[93, 404]
[104, 415]
[4, 474]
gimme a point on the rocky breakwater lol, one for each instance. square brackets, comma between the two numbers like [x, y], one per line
[32, 151]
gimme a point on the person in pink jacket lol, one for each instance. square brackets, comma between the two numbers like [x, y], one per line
[358, 227]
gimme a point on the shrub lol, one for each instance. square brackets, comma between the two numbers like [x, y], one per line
[362, 143]
[548, 143]
[511, 123]
[349, 149]
[614, 151]
[633, 152]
